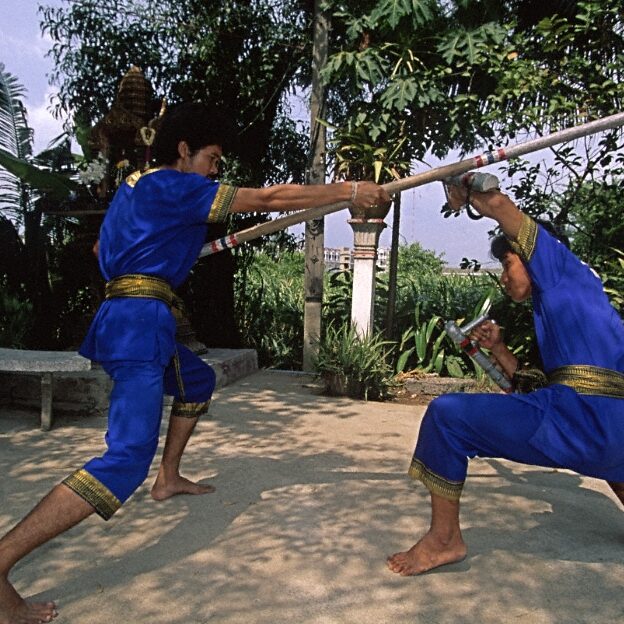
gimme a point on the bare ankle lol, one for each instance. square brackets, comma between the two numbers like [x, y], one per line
[446, 537]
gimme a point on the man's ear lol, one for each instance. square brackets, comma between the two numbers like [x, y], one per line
[184, 151]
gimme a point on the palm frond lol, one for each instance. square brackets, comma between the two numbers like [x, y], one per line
[16, 140]
[15, 134]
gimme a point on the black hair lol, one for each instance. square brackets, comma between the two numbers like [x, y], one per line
[195, 123]
[500, 245]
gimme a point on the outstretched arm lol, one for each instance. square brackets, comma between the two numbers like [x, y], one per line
[493, 204]
[286, 197]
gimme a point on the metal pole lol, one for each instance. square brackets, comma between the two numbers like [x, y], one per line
[433, 175]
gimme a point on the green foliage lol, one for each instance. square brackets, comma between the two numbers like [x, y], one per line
[414, 260]
[597, 223]
[516, 320]
[456, 74]
[243, 56]
[461, 365]
[447, 296]
[358, 155]
[613, 278]
[579, 190]
[55, 186]
[16, 144]
[427, 353]
[353, 365]
[269, 308]
[15, 319]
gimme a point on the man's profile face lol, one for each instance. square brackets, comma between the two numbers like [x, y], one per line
[515, 278]
[206, 161]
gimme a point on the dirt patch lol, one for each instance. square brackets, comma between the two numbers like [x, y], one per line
[420, 388]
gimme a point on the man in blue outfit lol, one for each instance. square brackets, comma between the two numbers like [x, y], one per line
[151, 237]
[575, 421]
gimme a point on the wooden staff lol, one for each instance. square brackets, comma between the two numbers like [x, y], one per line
[433, 175]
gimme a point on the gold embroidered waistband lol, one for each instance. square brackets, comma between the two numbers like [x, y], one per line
[590, 380]
[137, 285]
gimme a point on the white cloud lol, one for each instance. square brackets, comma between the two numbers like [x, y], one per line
[40, 118]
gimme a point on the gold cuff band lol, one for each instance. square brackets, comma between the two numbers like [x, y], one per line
[451, 490]
[95, 493]
[189, 410]
[142, 286]
[524, 245]
[221, 203]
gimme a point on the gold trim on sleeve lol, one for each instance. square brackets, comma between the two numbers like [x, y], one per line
[524, 245]
[133, 178]
[94, 492]
[451, 490]
[189, 410]
[221, 203]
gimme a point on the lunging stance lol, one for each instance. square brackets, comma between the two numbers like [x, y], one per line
[151, 236]
[575, 420]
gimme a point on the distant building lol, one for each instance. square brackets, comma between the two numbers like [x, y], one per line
[383, 258]
[341, 258]
[338, 259]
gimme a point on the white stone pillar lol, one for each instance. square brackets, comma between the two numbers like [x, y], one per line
[365, 242]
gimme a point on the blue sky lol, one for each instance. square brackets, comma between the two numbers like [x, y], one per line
[23, 49]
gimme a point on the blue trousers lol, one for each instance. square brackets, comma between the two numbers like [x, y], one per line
[553, 427]
[134, 419]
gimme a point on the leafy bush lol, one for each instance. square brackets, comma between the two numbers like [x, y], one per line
[15, 320]
[613, 278]
[270, 310]
[353, 365]
[427, 354]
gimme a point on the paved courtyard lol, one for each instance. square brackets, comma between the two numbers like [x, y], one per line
[312, 495]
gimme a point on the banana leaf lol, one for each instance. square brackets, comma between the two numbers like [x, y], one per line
[54, 185]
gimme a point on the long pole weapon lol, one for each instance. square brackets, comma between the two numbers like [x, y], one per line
[433, 175]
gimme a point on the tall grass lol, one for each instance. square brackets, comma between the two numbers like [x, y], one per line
[270, 313]
[269, 310]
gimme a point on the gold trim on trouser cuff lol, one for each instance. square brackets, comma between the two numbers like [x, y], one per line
[590, 380]
[189, 410]
[524, 245]
[137, 285]
[451, 490]
[94, 492]
[221, 203]
[178, 373]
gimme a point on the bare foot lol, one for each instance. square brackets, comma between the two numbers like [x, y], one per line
[15, 610]
[166, 488]
[427, 554]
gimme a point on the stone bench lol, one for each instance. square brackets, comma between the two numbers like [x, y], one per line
[81, 387]
[46, 364]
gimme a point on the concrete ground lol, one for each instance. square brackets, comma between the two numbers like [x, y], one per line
[311, 497]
